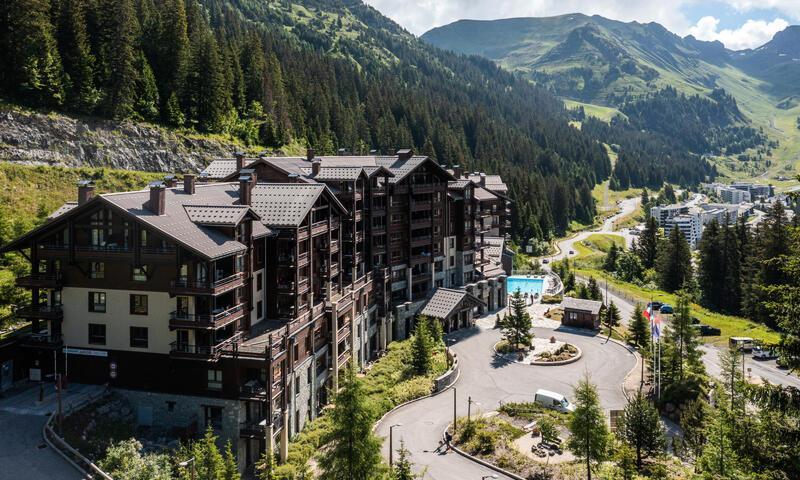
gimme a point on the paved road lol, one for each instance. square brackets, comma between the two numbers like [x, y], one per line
[757, 369]
[490, 380]
[23, 453]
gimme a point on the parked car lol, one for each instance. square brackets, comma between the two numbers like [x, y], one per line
[655, 305]
[707, 330]
[695, 321]
[744, 344]
[572, 252]
[544, 260]
[553, 400]
[764, 353]
[666, 308]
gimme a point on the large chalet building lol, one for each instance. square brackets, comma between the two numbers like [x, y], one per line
[233, 298]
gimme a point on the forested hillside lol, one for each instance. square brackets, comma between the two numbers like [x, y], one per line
[323, 73]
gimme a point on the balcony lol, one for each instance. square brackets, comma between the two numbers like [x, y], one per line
[157, 254]
[379, 191]
[358, 216]
[330, 270]
[44, 312]
[206, 321]
[319, 228]
[423, 187]
[344, 331]
[333, 246]
[379, 229]
[420, 205]
[203, 352]
[419, 259]
[302, 259]
[41, 280]
[257, 428]
[43, 340]
[253, 390]
[421, 222]
[421, 240]
[343, 358]
[185, 286]
[109, 250]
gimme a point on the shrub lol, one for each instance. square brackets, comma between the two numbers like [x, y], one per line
[552, 299]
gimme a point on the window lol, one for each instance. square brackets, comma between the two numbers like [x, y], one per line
[138, 304]
[215, 379]
[97, 334]
[143, 238]
[182, 305]
[139, 337]
[259, 282]
[452, 242]
[139, 274]
[97, 302]
[260, 308]
[213, 416]
[97, 270]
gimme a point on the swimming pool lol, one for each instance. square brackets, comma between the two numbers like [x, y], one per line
[525, 285]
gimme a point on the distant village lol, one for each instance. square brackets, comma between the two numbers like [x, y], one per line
[725, 203]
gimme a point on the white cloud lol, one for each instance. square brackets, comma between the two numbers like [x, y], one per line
[790, 8]
[752, 34]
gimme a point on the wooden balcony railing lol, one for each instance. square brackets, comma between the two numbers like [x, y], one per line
[45, 312]
[188, 286]
[213, 320]
[41, 280]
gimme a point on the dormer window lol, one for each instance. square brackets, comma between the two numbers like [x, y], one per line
[139, 274]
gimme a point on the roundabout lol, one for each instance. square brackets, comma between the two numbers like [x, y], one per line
[487, 381]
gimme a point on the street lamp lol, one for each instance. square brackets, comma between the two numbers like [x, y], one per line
[391, 448]
[469, 408]
[186, 464]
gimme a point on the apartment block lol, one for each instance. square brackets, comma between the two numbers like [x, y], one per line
[233, 298]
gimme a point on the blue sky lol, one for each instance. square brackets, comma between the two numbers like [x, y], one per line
[736, 23]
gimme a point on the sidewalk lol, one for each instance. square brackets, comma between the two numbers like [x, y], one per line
[25, 400]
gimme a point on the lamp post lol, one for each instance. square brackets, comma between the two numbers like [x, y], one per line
[187, 463]
[454, 411]
[391, 447]
[469, 408]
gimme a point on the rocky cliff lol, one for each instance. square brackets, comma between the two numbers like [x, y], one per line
[54, 139]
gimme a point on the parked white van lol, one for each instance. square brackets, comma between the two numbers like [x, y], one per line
[553, 400]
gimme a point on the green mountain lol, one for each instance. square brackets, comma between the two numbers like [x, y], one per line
[603, 62]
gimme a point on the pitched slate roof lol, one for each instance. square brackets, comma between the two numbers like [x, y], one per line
[219, 169]
[458, 184]
[493, 182]
[216, 215]
[285, 204]
[176, 222]
[445, 300]
[335, 173]
[484, 195]
[591, 306]
[62, 210]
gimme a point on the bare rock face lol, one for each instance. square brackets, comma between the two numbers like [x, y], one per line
[55, 139]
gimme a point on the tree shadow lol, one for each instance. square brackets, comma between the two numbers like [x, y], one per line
[500, 361]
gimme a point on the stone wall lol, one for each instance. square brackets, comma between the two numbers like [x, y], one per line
[180, 411]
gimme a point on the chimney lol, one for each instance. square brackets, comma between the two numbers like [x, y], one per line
[85, 191]
[246, 186]
[457, 171]
[239, 156]
[405, 153]
[188, 184]
[157, 202]
[391, 152]
[483, 179]
[293, 178]
[310, 154]
[316, 164]
[170, 181]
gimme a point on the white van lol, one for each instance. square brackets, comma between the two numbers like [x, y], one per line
[553, 400]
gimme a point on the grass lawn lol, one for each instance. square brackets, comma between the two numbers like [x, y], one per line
[590, 254]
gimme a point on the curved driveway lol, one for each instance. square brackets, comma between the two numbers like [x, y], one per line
[490, 381]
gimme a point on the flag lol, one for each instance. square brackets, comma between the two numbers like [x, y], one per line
[648, 312]
[655, 326]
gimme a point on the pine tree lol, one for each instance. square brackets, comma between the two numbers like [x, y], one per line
[147, 101]
[76, 55]
[119, 31]
[719, 458]
[593, 289]
[647, 247]
[639, 328]
[587, 426]
[209, 463]
[733, 378]
[711, 270]
[33, 70]
[674, 262]
[612, 317]
[353, 451]
[683, 374]
[422, 347]
[610, 262]
[693, 422]
[640, 427]
[231, 467]
[402, 468]
[516, 325]
[206, 96]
